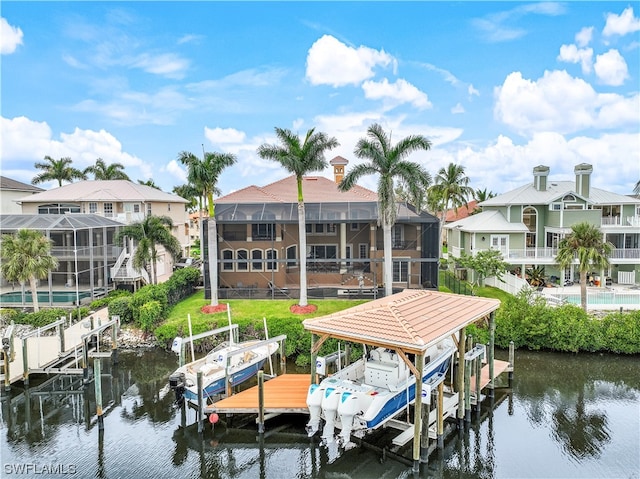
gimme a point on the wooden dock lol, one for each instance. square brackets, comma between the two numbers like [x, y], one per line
[283, 394]
[499, 367]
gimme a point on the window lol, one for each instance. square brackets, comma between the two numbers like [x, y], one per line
[136, 208]
[262, 231]
[58, 209]
[108, 210]
[355, 226]
[148, 209]
[292, 256]
[168, 206]
[363, 250]
[242, 264]
[256, 260]
[227, 257]
[319, 229]
[272, 254]
[93, 208]
[400, 271]
[308, 227]
[397, 236]
[555, 206]
[501, 243]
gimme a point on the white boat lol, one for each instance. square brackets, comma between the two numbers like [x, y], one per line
[231, 362]
[366, 394]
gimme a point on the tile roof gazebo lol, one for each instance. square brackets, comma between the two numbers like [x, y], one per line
[410, 322]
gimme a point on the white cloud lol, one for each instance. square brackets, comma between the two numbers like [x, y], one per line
[10, 37]
[611, 68]
[178, 173]
[219, 136]
[297, 124]
[396, 93]
[573, 54]
[621, 24]
[583, 37]
[558, 102]
[167, 64]
[456, 110]
[331, 62]
[189, 38]
[472, 91]
[25, 141]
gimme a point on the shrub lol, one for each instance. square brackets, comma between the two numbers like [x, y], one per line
[44, 317]
[181, 284]
[121, 306]
[150, 315]
[152, 292]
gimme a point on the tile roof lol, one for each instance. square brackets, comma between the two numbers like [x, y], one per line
[15, 185]
[411, 320]
[103, 190]
[315, 189]
[461, 212]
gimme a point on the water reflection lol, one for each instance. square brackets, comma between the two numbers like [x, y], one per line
[566, 416]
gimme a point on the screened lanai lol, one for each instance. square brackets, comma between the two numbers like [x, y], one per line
[86, 249]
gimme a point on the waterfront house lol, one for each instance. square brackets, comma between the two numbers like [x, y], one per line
[12, 190]
[527, 224]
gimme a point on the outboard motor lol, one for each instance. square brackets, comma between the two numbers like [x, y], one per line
[177, 383]
[314, 403]
[330, 401]
[347, 410]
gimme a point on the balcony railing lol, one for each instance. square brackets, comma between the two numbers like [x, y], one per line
[532, 254]
[619, 221]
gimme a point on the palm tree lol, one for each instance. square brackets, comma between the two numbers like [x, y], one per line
[300, 159]
[189, 193]
[483, 195]
[149, 183]
[389, 163]
[150, 232]
[636, 189]
[26, 256]
[203, 175]
[102, 171]
[451, 188]
[585, 244]
[59, 170]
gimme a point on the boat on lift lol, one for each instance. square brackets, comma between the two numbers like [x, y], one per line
[365, 395]
[229, 363]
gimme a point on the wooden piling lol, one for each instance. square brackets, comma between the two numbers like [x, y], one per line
[417, 419]
[114, 339]
[492, 340]
[199, 414]
[511, 361]
[440, 426]
[460, 383]
[424, 440]
[25, 361]
[60, 330]
[261, 402]
[97, 380]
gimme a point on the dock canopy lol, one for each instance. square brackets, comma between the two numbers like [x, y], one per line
[411, 320]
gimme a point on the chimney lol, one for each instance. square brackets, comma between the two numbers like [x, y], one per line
[583, 179]
[339, 165]
[540, 174]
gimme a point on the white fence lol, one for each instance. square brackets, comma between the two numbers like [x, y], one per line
[510, 283]
[626, 277]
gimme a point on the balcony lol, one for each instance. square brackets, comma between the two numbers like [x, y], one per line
[548, 255]
[629, 221]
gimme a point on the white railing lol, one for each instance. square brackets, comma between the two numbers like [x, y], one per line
[531, 253]
[129, 217]
[626, 277]
[633, 220]
[510, 283]
[118, 264]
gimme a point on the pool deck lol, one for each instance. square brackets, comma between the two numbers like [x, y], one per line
[621, 289]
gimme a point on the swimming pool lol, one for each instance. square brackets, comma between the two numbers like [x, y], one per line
[43, 297]
[604, 299]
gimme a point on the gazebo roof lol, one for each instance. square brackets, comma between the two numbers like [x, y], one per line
[411, 320]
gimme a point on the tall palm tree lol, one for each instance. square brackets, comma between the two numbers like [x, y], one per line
[26, 256]
[389, 163]
[300, 158]
[584, 243]
[636, 189]
[59, 170]
[102, 171]
[150, 232]
[204, 175]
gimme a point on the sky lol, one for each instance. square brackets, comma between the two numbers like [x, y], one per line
[497, 87]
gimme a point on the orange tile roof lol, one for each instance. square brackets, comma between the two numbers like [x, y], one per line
[315, 189]
[411, 320]
[462, 212]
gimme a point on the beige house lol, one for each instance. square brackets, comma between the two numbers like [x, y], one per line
[11, 191]
[123, 202]
[258, 240]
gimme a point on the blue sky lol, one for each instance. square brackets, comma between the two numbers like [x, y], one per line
[498, 87]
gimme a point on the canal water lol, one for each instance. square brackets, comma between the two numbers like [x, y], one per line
[567, 416]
